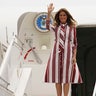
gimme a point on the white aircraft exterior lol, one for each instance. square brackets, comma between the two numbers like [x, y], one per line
[23, 67]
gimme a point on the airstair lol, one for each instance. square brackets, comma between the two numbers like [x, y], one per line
[23, 67]
[13, 78]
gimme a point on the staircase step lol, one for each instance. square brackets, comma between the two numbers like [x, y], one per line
[5, 92]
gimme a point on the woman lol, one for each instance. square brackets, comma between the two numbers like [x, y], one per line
[62, 68]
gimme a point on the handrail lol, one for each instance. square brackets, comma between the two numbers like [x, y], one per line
[6, 90]
[19, 40]
[35, 54]
[4, 81]
[18, 45]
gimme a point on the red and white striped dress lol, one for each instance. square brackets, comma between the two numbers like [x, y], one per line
[59, 68]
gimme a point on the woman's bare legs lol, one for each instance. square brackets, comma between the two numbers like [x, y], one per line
[59, 89]
[66, 89]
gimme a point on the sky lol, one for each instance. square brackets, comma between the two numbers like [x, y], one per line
[10, 11]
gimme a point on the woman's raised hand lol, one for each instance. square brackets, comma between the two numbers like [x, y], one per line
[50, 8]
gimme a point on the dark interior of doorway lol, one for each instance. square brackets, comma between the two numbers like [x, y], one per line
[86, 60]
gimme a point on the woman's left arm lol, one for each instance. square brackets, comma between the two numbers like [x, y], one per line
[75, 46]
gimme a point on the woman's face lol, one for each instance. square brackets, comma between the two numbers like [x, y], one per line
[62, 17]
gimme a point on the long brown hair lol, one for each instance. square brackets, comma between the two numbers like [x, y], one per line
[70, 20]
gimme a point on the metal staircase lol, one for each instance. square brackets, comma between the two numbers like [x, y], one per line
[10, 83]
[5, 92]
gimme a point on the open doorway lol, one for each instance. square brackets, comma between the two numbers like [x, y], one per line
[86, 59]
